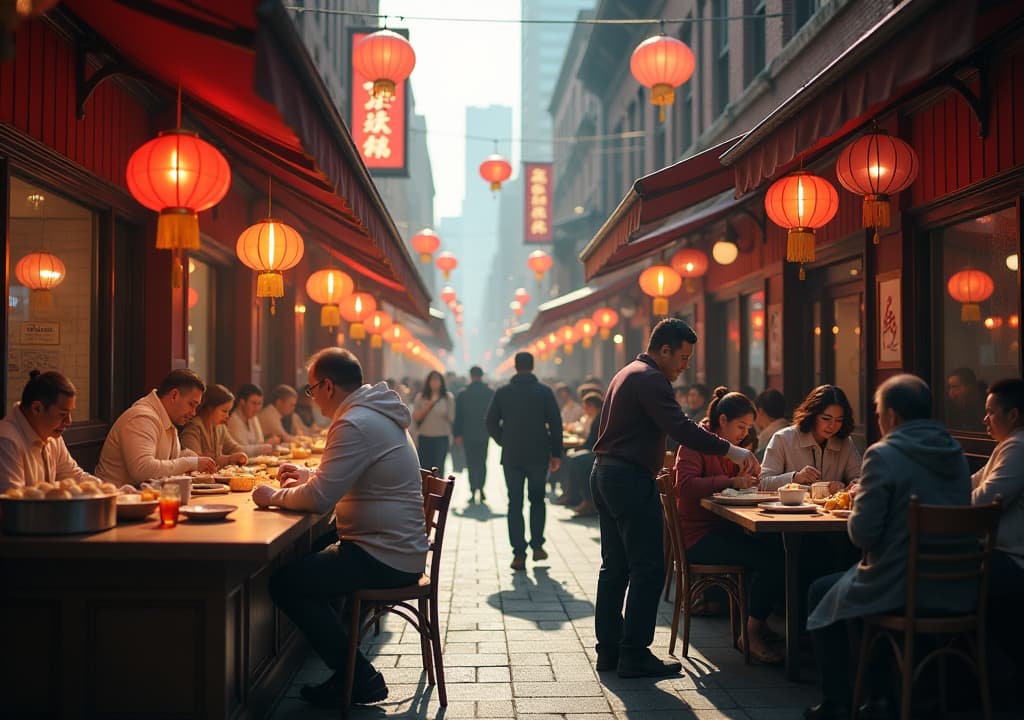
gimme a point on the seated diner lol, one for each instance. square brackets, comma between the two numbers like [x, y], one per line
[207, 433]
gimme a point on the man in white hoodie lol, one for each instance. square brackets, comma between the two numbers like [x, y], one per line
[370, 475]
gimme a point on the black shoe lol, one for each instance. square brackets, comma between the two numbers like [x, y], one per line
[826, 710]
[483, 498]
[327, 694]
[607, 662]
[878, 708]
[648, 666]
[540, 554]
[372, 691]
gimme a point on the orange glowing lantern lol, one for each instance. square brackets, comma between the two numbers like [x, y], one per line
[662, 63]
[356, 308]
[446, 262]
[586, 329]
[660, 282]
[385, 57]
[426, 242]
[553, 340]
[522, 296]
[495, 170]
[567, 335]
[690, 263]
[270, 247]
[970, 287]
[606, 319]
[448, 295]
[801, 202]
[876, 166]
[40, 272]
[378, 324]
[992, 323]
[329, 287]
[540, 262]
[396, 335]
[517, 308]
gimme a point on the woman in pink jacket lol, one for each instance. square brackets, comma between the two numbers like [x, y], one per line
[713, 541]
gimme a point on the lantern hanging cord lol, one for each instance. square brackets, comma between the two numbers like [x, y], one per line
[536, 21]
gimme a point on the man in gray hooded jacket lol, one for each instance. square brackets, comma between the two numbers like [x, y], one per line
[915, 457]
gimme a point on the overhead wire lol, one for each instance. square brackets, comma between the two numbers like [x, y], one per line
[536, 21]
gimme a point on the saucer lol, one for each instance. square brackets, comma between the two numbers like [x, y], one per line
[212, 511]
[778, 507]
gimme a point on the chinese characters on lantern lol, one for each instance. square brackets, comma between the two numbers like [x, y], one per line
[538, 202]
[378, 124]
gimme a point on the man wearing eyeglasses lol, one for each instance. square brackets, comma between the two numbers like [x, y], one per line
[369, 474]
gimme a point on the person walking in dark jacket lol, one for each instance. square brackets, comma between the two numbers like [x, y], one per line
[640, 409]
[470, 433]
[524, 420]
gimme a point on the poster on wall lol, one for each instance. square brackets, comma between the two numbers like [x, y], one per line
[379, 126]
[537, 220]
[775, 339]
[890, 321]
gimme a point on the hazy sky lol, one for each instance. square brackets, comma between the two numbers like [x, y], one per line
[459, 64]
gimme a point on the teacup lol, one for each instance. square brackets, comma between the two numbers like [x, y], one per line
[792, 497]
[819, 490]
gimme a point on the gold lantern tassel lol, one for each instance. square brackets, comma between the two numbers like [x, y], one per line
[567, 349]
[330, 317]
[662, 94]
[605, 333]
[970, 312]
[270, 284]
[41, 300]
[177, 228]
[376, 341]
[356, 331]
[587, 342]
[876, 213]
[660, 306]
[800, 247]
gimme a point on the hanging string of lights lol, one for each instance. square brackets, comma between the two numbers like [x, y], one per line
[536, 21]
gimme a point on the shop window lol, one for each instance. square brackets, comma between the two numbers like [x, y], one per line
[754, 332]
[50, 329]
[720, 44]
[200, 318]
[803, 10]
[756, 30]
[978, 318]
[683, 115]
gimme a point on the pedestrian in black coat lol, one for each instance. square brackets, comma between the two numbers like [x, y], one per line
[470, 431]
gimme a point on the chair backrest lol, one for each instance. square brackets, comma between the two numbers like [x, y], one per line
[667, 493]
[669, 463]
[425, 476]
[950, 545]
[437, 499]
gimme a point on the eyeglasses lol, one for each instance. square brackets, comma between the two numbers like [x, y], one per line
[309, 388]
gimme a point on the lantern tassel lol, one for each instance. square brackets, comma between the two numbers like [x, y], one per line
[877, 213]
[270, 284]
[177, 228]
[357, 331]
[605, 333]
[567, 349]
[41, 300]
[800, 245]
[660, 306]
[970, 312]
[376, 341]
[330, 316]
[587, 342]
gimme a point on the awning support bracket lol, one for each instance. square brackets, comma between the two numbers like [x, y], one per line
[84, 87]
[759, 221]
[979, 102]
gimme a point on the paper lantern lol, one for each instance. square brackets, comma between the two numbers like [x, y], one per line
[522, 296]
[662, 63]
[426, 242]
[495, 170]
[801, 203]
[725, 252]
[567, 336]
[586, 329]
[329, 287]
[386, 58]
[660, 281]
[396, 335]
[970, 287]
[178, 175]
[606, 319]
[356, 308]
[448, 295]
[269, 247]
[516, 307]
[40, 272]
[446, 262]
[690, 263]
[378, 323]
[540, 262]
[876, 166]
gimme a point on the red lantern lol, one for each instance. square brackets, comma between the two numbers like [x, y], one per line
[517, 308]
[567, 336]
[495, 170]
[270, 247]
[446, 262]
[396, 335]
[193, 298]
[876, 166]
[385, 57]
[662, 63]
[540, 262]
[448, 295]
[801, 202]
[40, 272]
[356, 308]
[522, 296]
[378, 324]
[178, 175]
[690, 263]
[329, 287]
[660, 281]
[970, 287]
[586, 329]
[426, 242]
[606, 319]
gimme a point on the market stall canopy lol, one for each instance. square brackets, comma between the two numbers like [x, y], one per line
[248, 78]
[916, 39]
[580, 302]
[652, 202]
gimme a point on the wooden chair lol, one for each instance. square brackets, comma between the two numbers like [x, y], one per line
[668, 464]
[927, 559]
[694, 579]
[369, 605]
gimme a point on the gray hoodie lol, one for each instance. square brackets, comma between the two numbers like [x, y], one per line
[370, 474]
[915, 458]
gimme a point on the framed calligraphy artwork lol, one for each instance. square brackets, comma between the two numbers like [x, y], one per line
[889, 340]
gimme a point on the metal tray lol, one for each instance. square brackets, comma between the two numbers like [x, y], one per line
[58, 517]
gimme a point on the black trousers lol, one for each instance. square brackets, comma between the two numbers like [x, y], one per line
[629, 512]
[535, 477]
[763, 556]
[476, 462]
[433, 451]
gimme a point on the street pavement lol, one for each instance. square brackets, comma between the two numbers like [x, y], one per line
[521, 644]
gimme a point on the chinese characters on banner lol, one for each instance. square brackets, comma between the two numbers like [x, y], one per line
[538, 202]
[379, 127]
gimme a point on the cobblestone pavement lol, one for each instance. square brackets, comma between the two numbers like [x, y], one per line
[520, 644]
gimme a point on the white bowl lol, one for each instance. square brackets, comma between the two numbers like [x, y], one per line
[792, 497]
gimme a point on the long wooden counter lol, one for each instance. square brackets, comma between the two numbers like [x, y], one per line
[140, 621]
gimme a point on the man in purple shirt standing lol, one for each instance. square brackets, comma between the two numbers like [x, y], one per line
[640, 409]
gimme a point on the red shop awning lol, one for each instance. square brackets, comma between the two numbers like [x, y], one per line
[651, 200]
[912, 42]
[571, 306]
[246, 75]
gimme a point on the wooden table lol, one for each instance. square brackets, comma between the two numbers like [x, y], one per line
[792, 527]
[140, 621]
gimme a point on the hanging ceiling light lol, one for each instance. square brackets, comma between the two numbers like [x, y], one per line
[40, 272]
[660, 282]
[377, 324]
[725, 252]
[356, 308]
[386, 58]
[606, 319]
[801, 203]
[270, 247]
[662, 63]
[328, 288]
[690, 263]
[970, 287]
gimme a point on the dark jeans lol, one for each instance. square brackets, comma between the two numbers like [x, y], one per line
[629, 513]
[1006, 577]
[580, 466]
[433, 451]
[476, 463]
[535, 476]
[761, 555]
[304, 591]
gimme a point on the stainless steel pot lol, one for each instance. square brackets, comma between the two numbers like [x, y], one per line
[58, 517]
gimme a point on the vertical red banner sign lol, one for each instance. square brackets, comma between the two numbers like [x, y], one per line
[537, 193]
[379, 128]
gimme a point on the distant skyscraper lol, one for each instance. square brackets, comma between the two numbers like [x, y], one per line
[542, 54]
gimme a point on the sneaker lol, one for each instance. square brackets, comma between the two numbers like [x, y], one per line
[648, 666]
[540, 554]
[518, 562]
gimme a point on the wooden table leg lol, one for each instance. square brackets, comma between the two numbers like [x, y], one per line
[791, 544]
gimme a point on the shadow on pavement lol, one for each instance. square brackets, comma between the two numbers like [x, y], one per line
[481, 512]
[536, 596]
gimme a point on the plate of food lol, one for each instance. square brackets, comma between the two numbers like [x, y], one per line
[213, 488]
[748, 497]
[210, 511]
[778, 507]
[131, 506]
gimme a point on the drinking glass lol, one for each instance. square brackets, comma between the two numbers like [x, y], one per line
[170, 503]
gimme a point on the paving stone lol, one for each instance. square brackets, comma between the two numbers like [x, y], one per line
[557, 689]
[561, 705]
